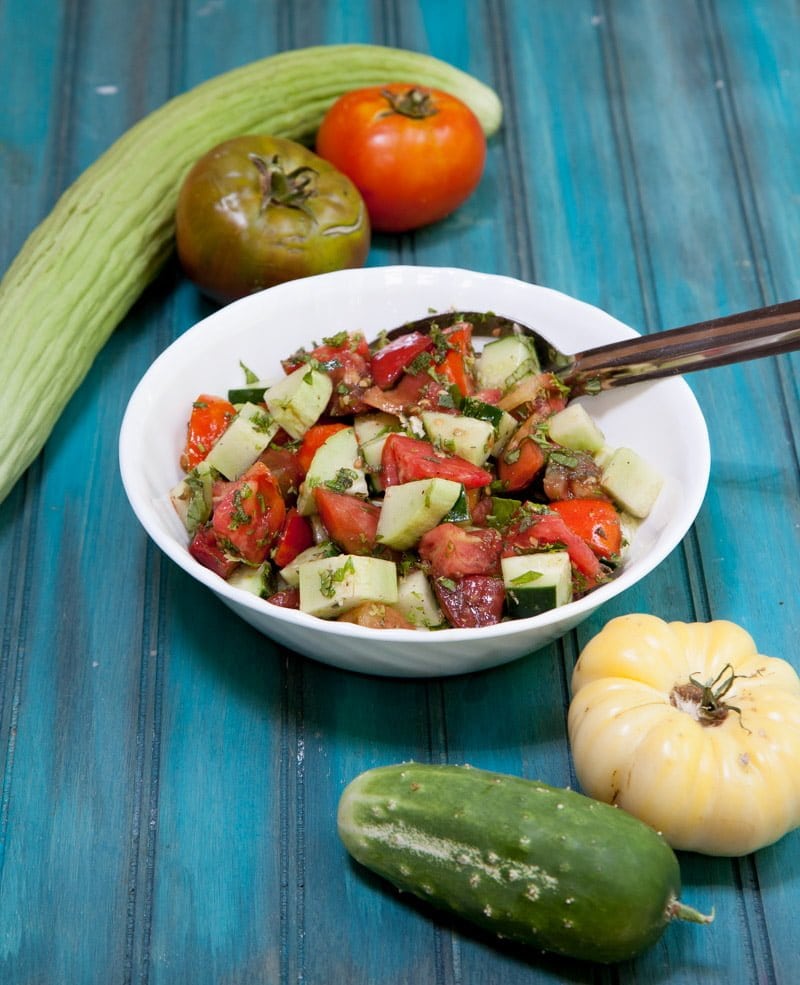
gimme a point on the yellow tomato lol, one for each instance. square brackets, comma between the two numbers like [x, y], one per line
[687, 727]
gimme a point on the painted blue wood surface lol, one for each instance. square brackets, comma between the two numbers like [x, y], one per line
[170, 777]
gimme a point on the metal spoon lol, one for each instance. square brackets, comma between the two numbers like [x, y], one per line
[733, 338]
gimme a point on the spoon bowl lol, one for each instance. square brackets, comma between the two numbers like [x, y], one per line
[767, 331]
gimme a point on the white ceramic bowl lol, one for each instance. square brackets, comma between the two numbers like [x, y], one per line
[662, 420]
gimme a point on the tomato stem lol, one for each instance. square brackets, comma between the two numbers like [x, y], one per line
[414, 102]
[280, 187]
[704, 702]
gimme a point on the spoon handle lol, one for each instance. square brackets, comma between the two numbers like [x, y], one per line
[734, 338]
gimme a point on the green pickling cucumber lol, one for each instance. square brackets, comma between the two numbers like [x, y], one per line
[532, 863]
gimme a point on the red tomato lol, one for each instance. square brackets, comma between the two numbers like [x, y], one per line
[351, 522]
[456, 364]
[475, 600]
[313, 440]
[405, 459]
[595, 521]
[522, 458]
[209, 418]
[205, 549]
[376, 615]
[285, 469]
[288, 598]
[549, 529]
[453, 552]
[250, 515]
[389, 362]
[295, 536]
[414, 393]
[415, 154]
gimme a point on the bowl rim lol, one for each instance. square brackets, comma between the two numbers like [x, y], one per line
[572, 612]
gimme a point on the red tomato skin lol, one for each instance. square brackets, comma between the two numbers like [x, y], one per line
[456, 365]
[250, 514]
[548, 529]
[410, 171]
[405, 459]
[351, 522]
[389, 363]
[522, 458]
[595, 521]
[208, 420]
[453, 552]
[205, 550]
[295, 536]
[288, 598]
[284, 468]
[413, 393]
[474, 600]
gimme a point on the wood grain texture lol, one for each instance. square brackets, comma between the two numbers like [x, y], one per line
[168, 777]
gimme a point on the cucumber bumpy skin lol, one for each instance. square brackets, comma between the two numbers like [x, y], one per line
[532, 863]
[111, 231]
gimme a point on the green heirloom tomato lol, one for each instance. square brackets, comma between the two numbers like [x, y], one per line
[257, 211]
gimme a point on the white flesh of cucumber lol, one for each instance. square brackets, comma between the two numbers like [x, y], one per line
[417, 600]
[291, 572]
[468, 437]
[574, 428]
[297, 400]
[411, 509]
[191, 497]
[340, 454]
[331, 586]
[631, 482]
[504, 362]
[242, 442]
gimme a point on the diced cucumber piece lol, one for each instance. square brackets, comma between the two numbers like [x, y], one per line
[372, 430]
[504, 424]
[242, 442]
[504, 362]
[411, 509]
[467, 437]
[249, 393]
[535, 583]
[574, 428]
[297, 400]
[331, 586]
[416, 599]
[460, 511]
[257, 581]
[191, 497]
[291, 572]
[631, 482]
[338, 463]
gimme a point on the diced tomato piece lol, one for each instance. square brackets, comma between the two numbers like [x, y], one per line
[595, 521]
[250, 515]
[456, 365]
[287, 598]
[405, 459]
[295, 536]
[209, 419]
[285, 469]
[393, 359]
[489, 395]
[475, 600]
[522, 458]
[453, 552]
[205, 549]
[548, 529]
[376, 615]
[351, 522]
[415, 392]
[313, 440]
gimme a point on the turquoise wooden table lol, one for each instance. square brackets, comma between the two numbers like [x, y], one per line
[170, 777]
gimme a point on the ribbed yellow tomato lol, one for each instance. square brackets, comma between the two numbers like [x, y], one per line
[687, 727]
